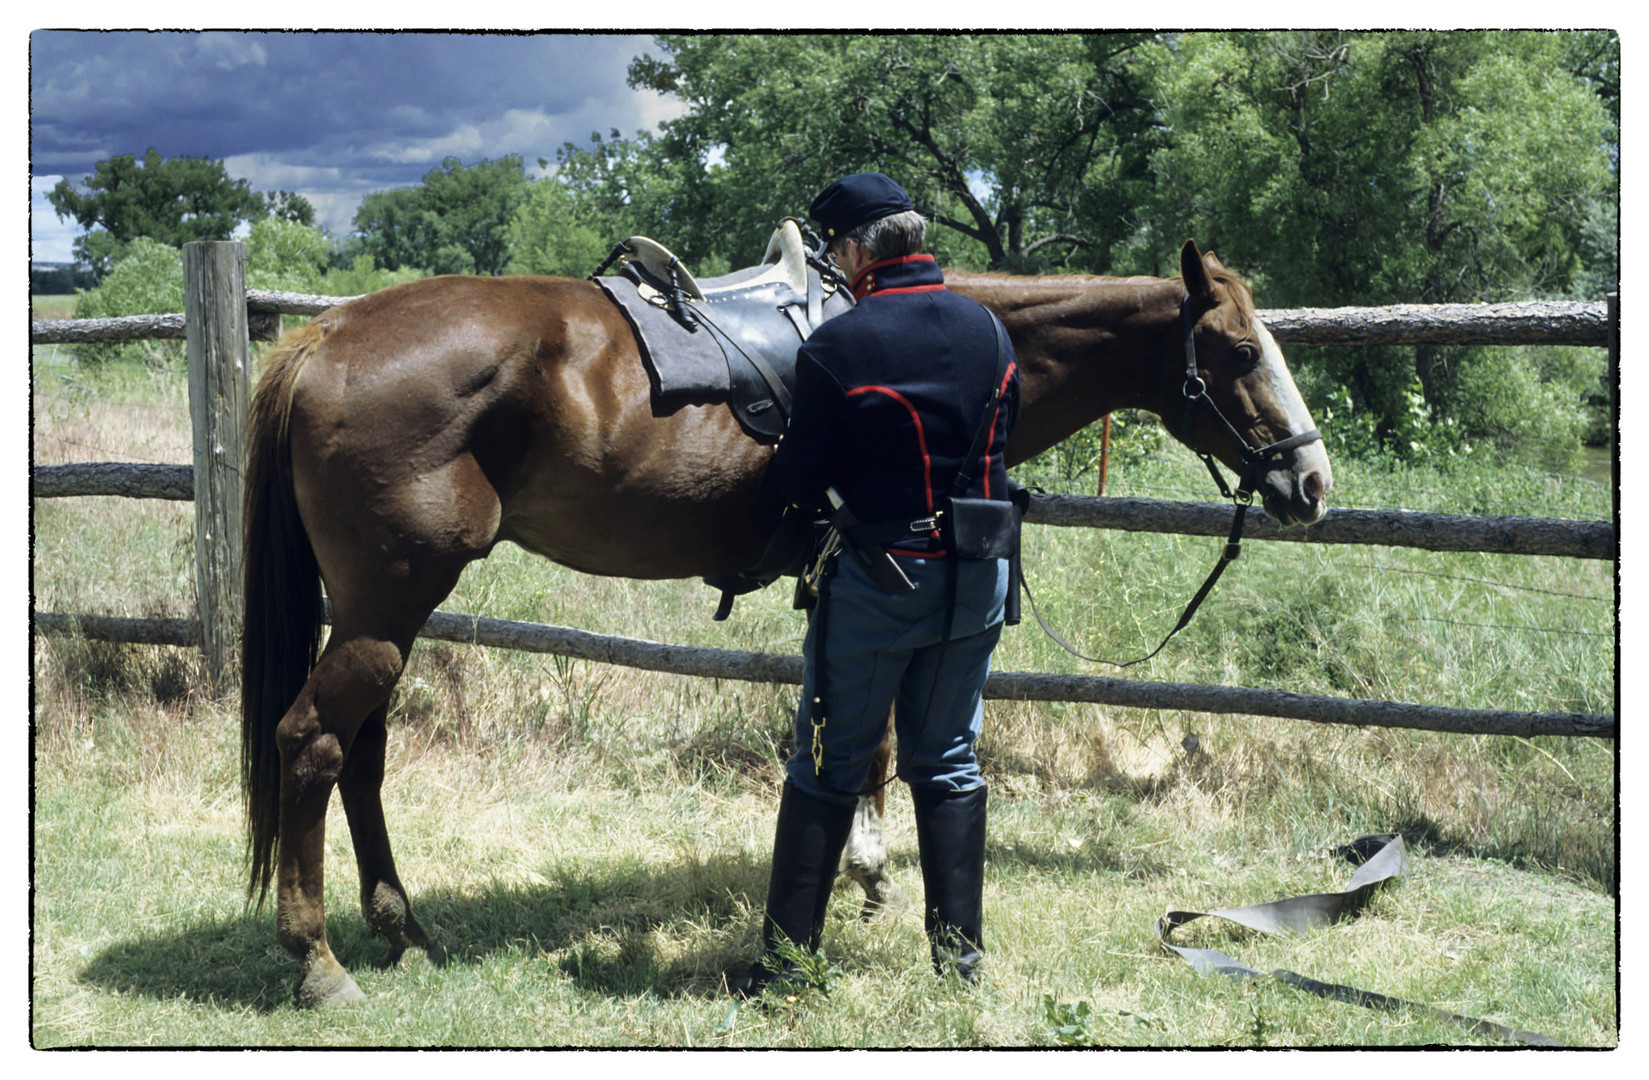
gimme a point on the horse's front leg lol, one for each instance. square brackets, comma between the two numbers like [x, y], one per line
[384, 900]
[864, 859]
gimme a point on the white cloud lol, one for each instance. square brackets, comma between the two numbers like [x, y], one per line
[464, 141]
[229, 51]
[265, 172]
[50, 240]
[654, 109]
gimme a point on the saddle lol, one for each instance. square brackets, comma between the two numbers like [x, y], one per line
[729, 338]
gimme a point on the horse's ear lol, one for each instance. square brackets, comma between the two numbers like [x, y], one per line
[1195, 272]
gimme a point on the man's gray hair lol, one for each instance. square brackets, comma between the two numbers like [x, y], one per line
[891, 237]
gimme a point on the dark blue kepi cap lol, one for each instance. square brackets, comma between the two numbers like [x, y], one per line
[856, 199]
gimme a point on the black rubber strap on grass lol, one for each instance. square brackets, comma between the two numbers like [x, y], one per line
[1381, 858]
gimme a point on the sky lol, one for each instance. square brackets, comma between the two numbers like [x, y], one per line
[332, 116]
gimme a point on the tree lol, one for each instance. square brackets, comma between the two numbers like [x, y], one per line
[1022, 145]
[456, 221]
[1391, 167]
[146, 280]
[286, 255]
[288, 206]
[548, 236]
[169, 200]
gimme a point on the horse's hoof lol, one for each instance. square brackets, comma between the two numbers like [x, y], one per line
[435, 954]
[883, 901]
[327, 987]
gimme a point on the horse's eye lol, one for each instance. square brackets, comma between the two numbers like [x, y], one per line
[1248, 356]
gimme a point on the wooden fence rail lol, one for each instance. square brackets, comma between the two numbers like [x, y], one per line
[1565, 322]
[223, 316]
[1494, 535]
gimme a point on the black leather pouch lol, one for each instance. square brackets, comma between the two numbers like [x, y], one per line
[983, 528]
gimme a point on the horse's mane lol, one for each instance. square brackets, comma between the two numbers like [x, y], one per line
[1222, 276]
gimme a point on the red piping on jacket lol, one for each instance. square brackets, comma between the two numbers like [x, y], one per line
[990, 441]
[921, 445]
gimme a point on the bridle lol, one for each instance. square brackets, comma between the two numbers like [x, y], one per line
[1256, 462]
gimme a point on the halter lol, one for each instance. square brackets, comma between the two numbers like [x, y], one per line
[1256, 462]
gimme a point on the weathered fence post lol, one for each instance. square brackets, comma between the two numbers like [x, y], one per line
[1613, 300]
[214, 308]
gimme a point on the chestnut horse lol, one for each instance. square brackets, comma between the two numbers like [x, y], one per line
[400, 436]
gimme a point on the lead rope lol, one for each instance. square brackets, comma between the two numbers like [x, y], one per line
[1233, 549]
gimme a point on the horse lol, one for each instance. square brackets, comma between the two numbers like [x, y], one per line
[400, 436]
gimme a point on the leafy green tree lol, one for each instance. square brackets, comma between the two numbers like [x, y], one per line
[362, 275]
[288, 206]
[548, 236]
[1017, 143]
[147, 280]
[170, 200]
[285, 255]
[1383, 168]
[455, 221]
[622, 186]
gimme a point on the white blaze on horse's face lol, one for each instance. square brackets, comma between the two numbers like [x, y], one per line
[1296, 494]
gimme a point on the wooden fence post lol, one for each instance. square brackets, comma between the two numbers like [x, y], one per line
[1613, 300]
[214, 307]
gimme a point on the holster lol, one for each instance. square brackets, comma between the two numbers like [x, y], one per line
[871, 555]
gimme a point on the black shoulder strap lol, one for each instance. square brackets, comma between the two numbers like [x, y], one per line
[964, 475]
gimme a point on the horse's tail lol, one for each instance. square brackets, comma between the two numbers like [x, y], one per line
[283, 607]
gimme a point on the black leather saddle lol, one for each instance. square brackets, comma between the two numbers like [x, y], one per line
[730, 338]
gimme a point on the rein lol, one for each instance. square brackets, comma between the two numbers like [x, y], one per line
[1255, 461]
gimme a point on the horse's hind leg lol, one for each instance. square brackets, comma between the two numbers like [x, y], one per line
[353, 679]
[384, 900]
[864, 859]
[339, 711]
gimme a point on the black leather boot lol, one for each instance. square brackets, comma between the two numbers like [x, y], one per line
[807, 846]
[950, 833]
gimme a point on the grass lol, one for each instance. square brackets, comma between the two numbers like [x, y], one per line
[591, 843]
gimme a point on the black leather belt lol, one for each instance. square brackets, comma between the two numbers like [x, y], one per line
[887, 532]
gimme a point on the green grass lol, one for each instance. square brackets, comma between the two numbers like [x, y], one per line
[52, 307]
[591, 843]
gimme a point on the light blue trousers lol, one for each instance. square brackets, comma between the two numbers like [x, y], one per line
[883, 649]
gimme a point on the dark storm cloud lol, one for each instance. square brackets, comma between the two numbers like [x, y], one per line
[331, 115]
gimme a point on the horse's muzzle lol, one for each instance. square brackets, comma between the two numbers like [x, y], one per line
[1298, 494]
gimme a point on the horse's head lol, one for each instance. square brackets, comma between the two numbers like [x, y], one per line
[1244, 376]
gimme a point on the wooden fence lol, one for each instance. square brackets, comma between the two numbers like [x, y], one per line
[221, 316]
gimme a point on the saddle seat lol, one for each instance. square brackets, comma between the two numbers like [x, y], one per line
[785, 261]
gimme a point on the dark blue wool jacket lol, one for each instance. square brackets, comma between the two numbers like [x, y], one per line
[887, 399]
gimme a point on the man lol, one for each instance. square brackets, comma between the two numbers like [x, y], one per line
[890, 398]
